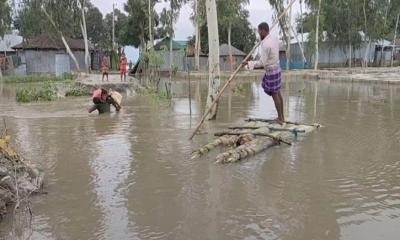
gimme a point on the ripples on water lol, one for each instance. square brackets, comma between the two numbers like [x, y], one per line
[128, 175]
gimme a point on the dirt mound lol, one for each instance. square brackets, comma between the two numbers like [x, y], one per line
[18, 178]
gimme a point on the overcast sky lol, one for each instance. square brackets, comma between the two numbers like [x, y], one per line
[259, 10]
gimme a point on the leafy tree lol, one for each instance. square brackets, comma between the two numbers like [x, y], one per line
[95, 26]
[230, 12]
[243, 35]
[5, 17]
[136, 31]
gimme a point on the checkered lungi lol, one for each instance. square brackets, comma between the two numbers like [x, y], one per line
[272, 80]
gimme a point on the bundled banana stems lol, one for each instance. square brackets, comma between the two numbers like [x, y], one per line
[255, 136]
[221, 141]
[18, 178]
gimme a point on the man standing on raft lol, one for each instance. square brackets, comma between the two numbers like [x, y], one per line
[269, 60]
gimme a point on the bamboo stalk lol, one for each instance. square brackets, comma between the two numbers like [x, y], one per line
[234, 74]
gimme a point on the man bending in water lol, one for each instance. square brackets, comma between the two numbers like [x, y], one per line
[269, 60]
[102, 101]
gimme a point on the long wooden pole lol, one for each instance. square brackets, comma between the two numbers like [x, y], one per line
[234, 74]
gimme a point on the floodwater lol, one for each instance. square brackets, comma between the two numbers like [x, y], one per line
[129, 175]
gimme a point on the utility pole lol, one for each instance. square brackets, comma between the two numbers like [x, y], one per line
[113, 27]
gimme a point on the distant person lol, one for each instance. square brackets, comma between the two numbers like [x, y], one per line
[123, 62]
[105, 67]
[269, 60]
[102, 101]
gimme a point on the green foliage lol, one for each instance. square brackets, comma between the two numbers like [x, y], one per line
[238, 89]
[77, 91]
[174, 70]
[136, 32]
[243, 35]
[66, 14]
[47, 93]
[5, 17]
[121, 27]
[342, 21]
[155, 94]
[96, 27]
[152, 58]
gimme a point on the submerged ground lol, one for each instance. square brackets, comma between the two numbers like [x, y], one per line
[129, 175]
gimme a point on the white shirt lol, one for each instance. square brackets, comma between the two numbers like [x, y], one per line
[269, 51]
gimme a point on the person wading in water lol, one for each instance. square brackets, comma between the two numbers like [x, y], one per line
[102, 101]
[269, 60]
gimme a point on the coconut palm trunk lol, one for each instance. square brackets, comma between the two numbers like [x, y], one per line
[214, 69]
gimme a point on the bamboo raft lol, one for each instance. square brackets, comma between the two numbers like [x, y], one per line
[253, 137]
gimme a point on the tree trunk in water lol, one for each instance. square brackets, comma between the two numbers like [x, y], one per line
[288, 39]
[302, 30]
[213, 62]
[350, 53]
[197, 39]
[171, 35]
[317, 38]
[150, 27]
[382, 63]
[394, 39]
[84, 33]
[170, 58]
[230, 46]
[196, 49]
[365, 63]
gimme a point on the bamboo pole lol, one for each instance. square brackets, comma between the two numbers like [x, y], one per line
[234, 74]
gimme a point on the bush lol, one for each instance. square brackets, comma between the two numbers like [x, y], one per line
[47, 93]
[77, 92]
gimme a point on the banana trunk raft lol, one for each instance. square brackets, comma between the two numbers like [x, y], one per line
[253, 137]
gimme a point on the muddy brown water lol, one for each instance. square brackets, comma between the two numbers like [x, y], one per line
[129, 175]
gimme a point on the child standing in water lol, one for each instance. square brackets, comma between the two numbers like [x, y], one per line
[104, 68]
[123, 62]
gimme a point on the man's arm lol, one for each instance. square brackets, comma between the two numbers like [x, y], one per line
[265, 50]
[92, 108]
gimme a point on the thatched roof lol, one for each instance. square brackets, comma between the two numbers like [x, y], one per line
[47, 41]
